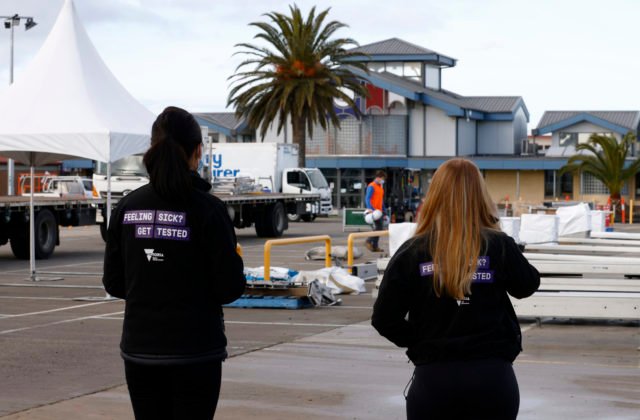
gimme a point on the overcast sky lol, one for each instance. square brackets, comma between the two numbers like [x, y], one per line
[556, 54]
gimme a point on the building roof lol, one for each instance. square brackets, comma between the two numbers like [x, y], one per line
[492, 103]
[392, 46]
[618, 121]
[395, 49]
[223, 119]
[453, 103]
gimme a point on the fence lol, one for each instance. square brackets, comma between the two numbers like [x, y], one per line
[370, 135]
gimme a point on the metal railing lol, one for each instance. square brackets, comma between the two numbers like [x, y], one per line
[290, 241]
[370, 135]
[355, 235]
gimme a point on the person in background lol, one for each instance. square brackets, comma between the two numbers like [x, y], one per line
[374, 200]
[171, 254]
[444, 296]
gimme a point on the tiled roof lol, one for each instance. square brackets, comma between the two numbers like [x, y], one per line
[491, 104]
[626, 119]
[392, 46]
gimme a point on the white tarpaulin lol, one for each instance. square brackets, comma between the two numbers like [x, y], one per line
[337, 279]
[538, 228]
[574, 219]
[399, 233]
[67, 103]
[511, 226]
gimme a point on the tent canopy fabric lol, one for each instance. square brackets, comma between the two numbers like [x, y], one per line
[68, 104]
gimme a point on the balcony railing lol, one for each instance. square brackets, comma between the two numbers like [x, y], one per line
[370, 135]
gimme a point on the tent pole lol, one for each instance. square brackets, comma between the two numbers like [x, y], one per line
[32, 236]
[108, 194]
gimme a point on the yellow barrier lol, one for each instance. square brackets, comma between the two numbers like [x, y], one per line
[355, 235]
[289, 241]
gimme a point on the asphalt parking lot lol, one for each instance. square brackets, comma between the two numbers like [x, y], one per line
[60, 358]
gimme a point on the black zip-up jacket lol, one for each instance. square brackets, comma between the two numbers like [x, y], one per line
[175, 264]
[483, 325]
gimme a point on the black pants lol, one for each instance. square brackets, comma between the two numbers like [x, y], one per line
[175, 392]
[474, 390]
[377, 225]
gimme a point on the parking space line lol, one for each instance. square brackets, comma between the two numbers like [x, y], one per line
[65, 321]
[56, 310]
[52, 286]
[47, 268]
[296, 324]
[283, 324]
[35, 298]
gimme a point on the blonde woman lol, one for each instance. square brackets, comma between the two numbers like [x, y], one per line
[444, 296]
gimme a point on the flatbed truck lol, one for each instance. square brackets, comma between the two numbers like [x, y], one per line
[267, 212]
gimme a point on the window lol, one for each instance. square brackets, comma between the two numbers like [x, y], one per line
[376, 67]
[556, 186]
[573, 139]
[413, 71]
[592, 185]
[395, 68]
[298, 179]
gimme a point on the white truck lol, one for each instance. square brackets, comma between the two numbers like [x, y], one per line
[274, 167]
[127, 174]
[301, 193]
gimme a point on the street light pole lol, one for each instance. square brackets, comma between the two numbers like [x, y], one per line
[10, 23]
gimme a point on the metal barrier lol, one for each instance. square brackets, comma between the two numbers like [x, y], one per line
[290, 241]
[355, 235]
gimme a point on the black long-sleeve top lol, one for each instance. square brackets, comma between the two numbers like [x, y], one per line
[483, 325]
[175, 264]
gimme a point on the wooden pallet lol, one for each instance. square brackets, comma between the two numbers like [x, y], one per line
[274, 302]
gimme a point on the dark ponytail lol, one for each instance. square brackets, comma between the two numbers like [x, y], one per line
[175, 136]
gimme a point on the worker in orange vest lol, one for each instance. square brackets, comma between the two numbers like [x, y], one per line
[374, 200]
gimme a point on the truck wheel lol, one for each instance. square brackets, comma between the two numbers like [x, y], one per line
[293, 217]
[308, 217]
[272, 222]
[45, 234]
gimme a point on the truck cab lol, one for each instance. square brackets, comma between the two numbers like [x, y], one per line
[308, 181]
[127, 174]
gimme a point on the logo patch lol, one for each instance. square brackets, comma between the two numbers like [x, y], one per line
[153, 256]
[138, 216]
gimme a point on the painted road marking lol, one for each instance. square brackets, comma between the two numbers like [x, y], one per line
[56, 310]
[36, 298]
[66, 321]
[49, 267]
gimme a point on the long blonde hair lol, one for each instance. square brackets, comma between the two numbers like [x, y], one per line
[456, 209]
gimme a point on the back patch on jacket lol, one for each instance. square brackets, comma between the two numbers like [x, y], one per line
[483, 274]
[158, 224]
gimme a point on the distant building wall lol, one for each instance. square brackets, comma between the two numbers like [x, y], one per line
[416, 130]
[505, 183]
[441, 133]
[496, 138]
[466, 137]
[519, 130]
[583, 127]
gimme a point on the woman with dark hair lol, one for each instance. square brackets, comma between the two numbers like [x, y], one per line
[171, 255]
[444, 296]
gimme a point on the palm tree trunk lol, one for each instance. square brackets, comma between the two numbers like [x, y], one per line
[299, 139]
[615, 204]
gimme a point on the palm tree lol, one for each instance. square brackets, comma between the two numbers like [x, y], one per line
[296, 77]
[606, 162]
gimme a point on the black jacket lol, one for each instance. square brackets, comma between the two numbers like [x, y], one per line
[175, 264]
[441, 328]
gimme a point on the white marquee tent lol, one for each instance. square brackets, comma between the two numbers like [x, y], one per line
[68, 104]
